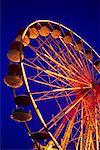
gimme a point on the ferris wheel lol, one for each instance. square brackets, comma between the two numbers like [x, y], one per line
[55, 77]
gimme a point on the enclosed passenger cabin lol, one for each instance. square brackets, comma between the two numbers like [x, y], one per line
[14, 77]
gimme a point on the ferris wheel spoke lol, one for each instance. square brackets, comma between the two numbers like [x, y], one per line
[39, 73]
[81, 60]
[90, 61]
[68, 99]
[61, 50]
[57, 56]
[59, 90]
[63, 62]
[75, 58]
[91, 140]
[59, 116]
[42, 58]
[68, 131]
[78, 142]
[42, 42]
[46, 43]
[55, 93]
[62, 71]
[89, 113]
[78, 75]
[58, 44]
[77, 131]
[41, 51]
[90, 71]
[60, 128]
[48, 63]
[45, 71]
[87, 62]
[85, 69]
[59, 76]
[92, 143]
[64, 112]
[51, 48]
[73, 67]
[51, 65]
[69, 72]
[72, 55]
[87, 144]
[66, 78]
[53, 97]
[56, 62]
[50, 95]
[45, 83]
[34, 66]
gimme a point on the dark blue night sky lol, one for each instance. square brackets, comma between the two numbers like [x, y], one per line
[82, 16]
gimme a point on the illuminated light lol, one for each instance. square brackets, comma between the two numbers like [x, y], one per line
[13, 81]
[25, 40]
[55, 33]
[68, 38]
[33, 33]
[44, 31]
[14, 55]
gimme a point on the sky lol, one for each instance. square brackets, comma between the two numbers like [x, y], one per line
[82, 16]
